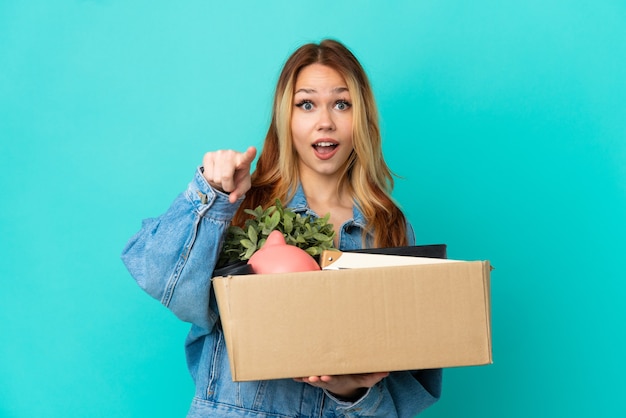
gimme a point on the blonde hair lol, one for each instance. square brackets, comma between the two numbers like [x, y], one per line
[366, 175]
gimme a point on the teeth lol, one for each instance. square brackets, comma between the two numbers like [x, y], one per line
[324, 144]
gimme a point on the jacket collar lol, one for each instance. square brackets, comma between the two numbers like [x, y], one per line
[299, 204]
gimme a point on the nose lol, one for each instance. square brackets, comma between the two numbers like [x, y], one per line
[325, 122]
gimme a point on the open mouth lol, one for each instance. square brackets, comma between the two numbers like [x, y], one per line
[325, 147]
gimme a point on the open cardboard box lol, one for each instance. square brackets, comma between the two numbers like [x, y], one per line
[359, 320]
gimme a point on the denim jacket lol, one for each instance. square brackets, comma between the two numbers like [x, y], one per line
[172, 258]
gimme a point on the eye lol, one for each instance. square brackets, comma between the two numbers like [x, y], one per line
[343, 105]
[305, 105]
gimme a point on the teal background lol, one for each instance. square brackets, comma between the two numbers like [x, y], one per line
[504, 119]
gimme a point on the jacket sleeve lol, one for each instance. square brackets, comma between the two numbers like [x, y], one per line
[399, 395]
[173, 256]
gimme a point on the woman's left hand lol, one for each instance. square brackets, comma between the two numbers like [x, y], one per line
[346, 387]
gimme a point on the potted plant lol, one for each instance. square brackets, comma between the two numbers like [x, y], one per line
[311, 234]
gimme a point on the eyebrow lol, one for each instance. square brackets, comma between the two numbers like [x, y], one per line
[311, 91]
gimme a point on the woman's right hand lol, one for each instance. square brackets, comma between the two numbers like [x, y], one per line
[229, 171]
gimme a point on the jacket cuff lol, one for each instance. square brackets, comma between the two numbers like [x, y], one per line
[365, 405]
[203, 197]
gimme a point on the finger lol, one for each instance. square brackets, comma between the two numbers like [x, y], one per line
[241, 184]
[372, 375]
[219, 168]
[246, 158]
[207, 167]
[227, 180]
[234, 196]
[242, 181]
[370, 379]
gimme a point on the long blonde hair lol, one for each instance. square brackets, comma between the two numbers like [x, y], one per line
[366, 174]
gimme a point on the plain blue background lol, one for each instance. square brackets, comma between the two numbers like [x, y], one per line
[504, 119]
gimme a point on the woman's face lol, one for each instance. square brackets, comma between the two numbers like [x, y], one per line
[321, 121]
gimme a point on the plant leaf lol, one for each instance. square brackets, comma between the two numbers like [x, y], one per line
[246, 243]
[321, 237]
[288, 224]
[248, 254]
[252, 234]
[274, 220]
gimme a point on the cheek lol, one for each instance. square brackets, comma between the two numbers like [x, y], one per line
[292, 124]
[346, 123]
[297, 127]
[298, 136]
[346, 130]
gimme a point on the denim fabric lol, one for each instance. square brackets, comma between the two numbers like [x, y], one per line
[172, 258]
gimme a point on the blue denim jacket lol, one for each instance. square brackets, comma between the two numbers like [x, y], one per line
[172, 258]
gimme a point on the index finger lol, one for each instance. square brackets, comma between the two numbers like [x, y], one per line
[247, 157]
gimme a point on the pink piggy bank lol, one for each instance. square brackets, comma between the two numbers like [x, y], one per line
[276, 256]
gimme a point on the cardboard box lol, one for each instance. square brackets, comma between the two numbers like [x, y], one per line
[356, 320]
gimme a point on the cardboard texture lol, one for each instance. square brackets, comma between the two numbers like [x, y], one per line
[356, 320]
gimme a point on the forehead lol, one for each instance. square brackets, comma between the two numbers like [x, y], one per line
[319, 78]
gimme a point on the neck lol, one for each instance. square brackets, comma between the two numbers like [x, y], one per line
[322, 189]
[323, 198]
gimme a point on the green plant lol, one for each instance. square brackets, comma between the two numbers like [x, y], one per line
[309, 233]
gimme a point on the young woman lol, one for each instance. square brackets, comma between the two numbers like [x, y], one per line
[322, 154]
